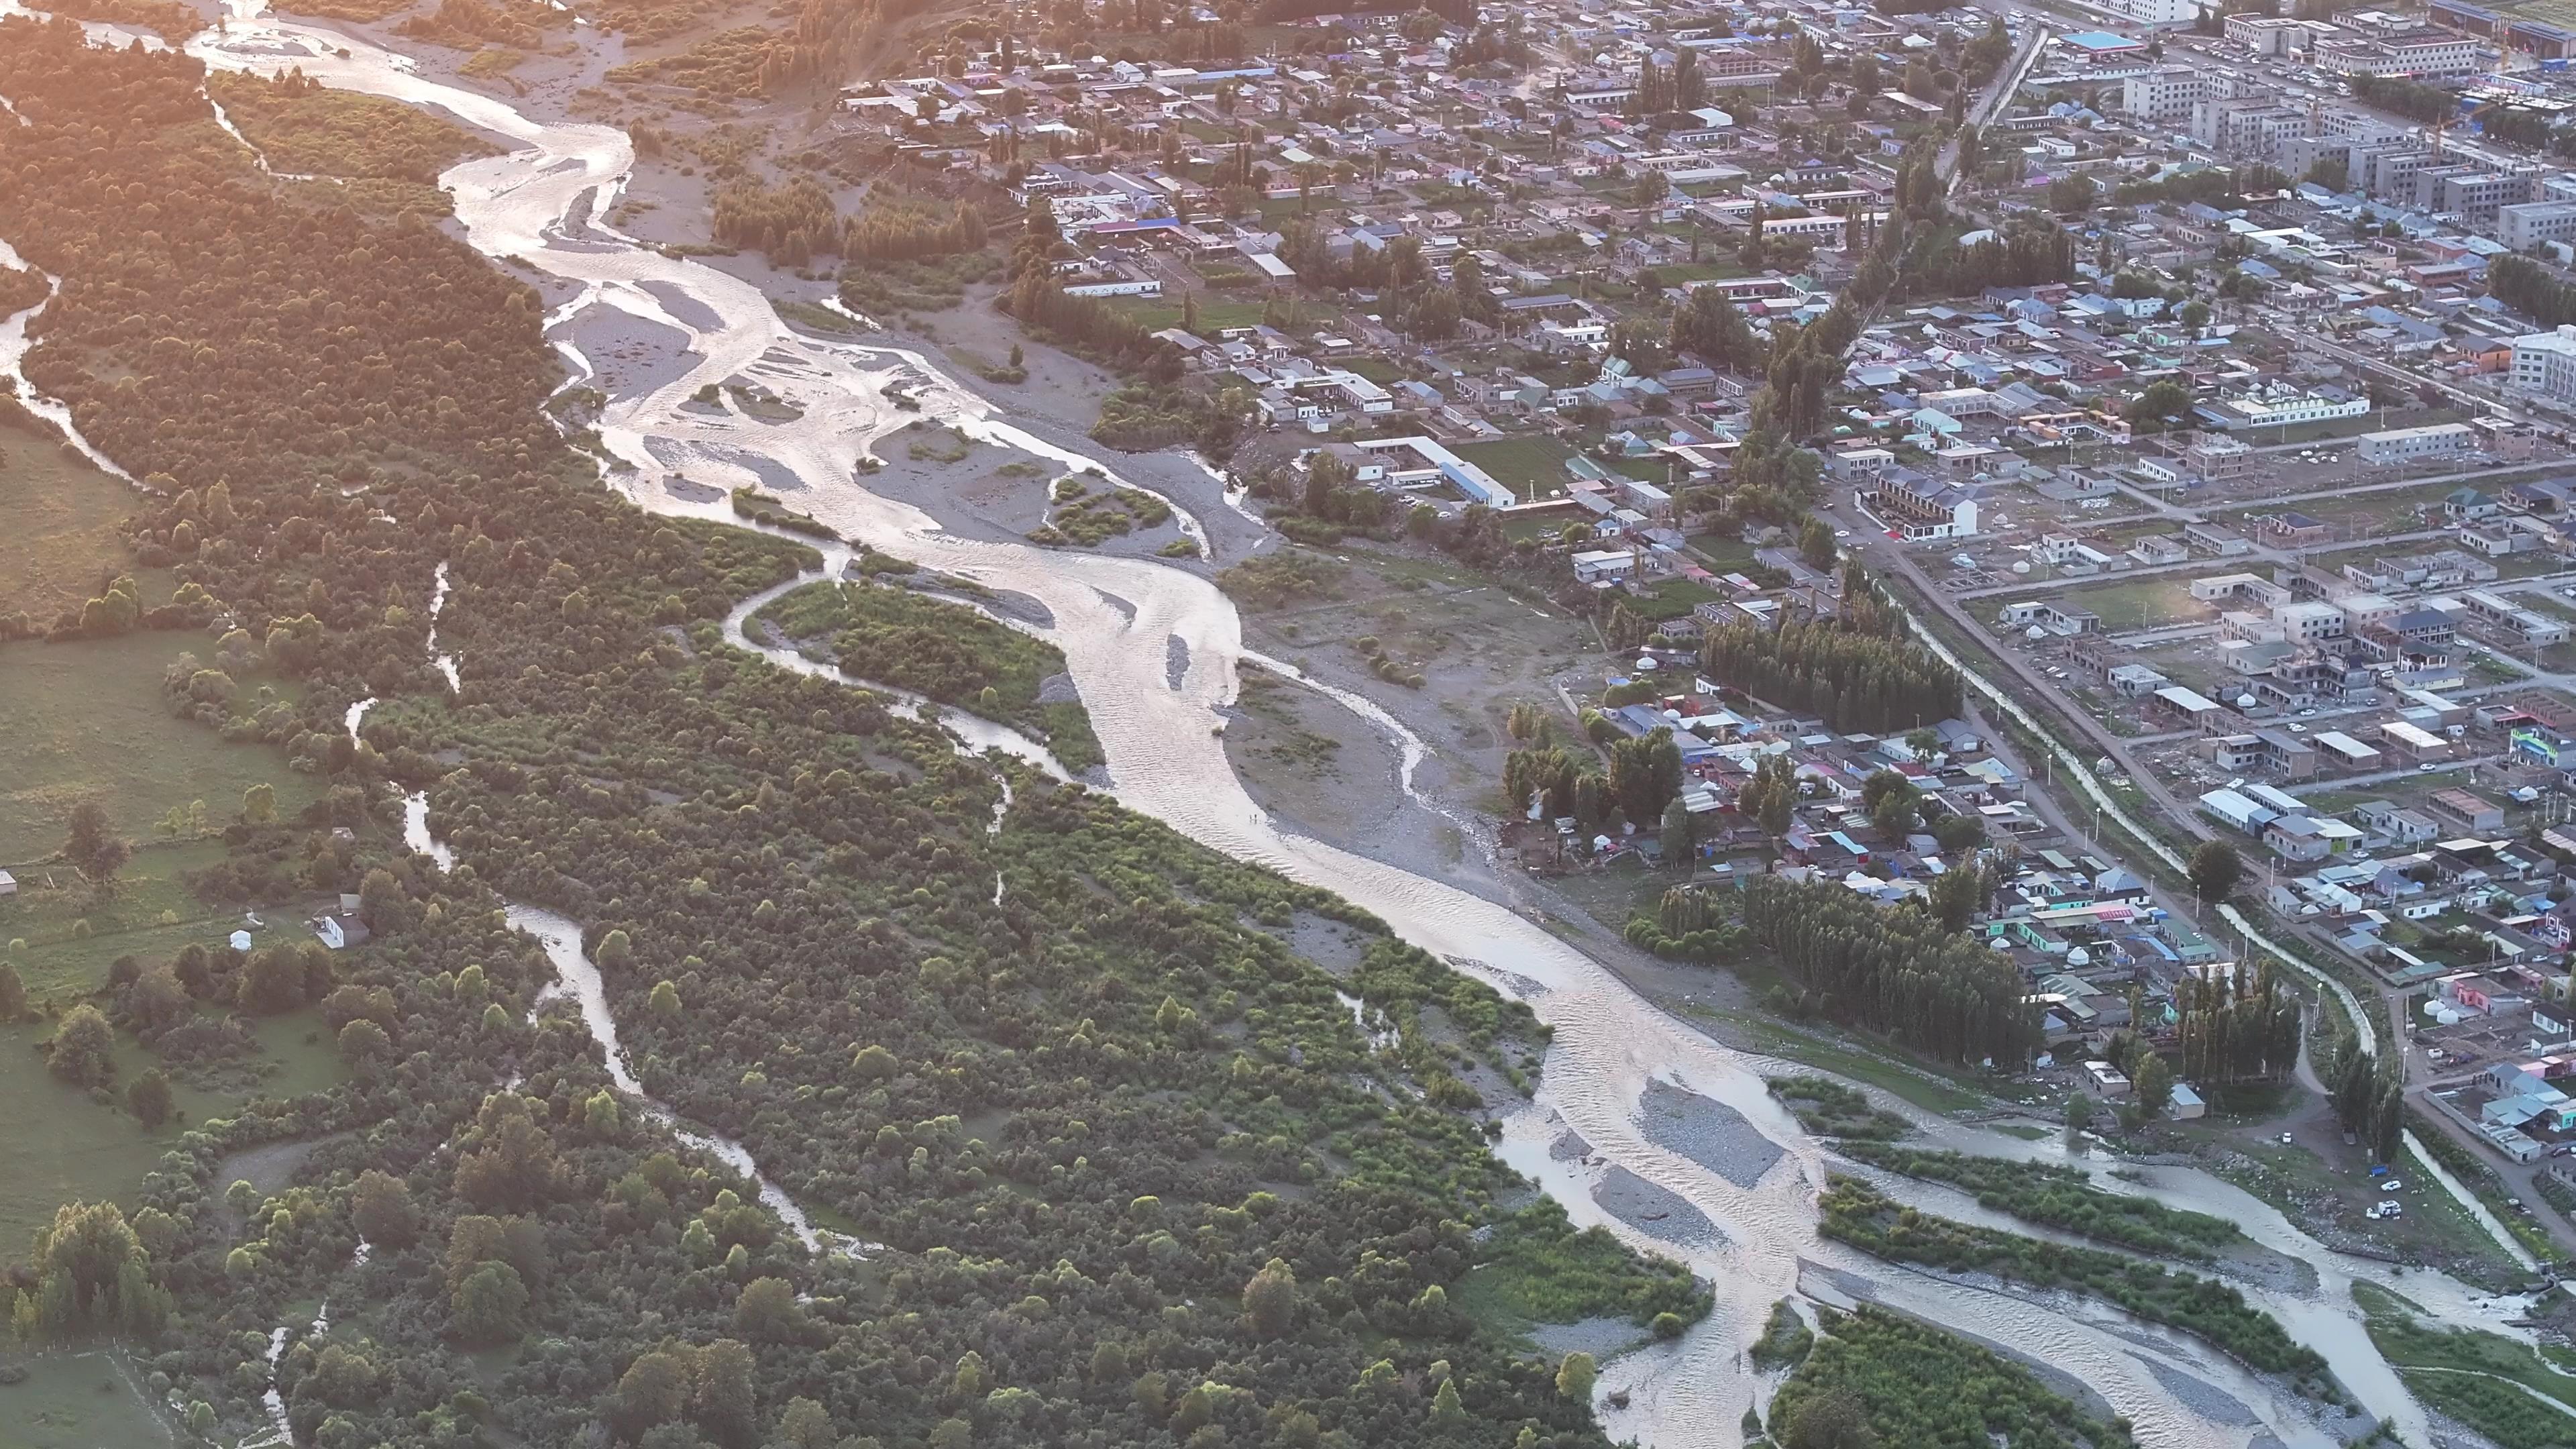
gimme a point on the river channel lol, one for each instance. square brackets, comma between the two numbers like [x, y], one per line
[1116, 619]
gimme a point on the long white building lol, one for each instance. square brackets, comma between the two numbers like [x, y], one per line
[2544, 364]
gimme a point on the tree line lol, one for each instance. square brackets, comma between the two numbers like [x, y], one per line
[2531, 289]
[788, 223]
[1854, 681]
[1894, 971]
[2234, 1029]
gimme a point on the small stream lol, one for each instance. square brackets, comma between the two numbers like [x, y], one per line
[281, 1428]
[577, 978]
[14, 343]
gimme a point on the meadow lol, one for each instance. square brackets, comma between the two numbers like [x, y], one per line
[86, 720]
[62, 541]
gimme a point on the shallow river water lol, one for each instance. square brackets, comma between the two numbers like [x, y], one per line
[1116, 620]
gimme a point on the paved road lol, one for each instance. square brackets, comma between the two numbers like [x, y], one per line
[1887, 555]
[2261, 553]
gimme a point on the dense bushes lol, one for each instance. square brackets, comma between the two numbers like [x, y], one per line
[1858, 1214]
[1854, 681]
[302, 128]
[1138, 417]
[1882, 1364]
[2058, 1197]
[945, 651]
[2531, 289]
[906, 231]
[1829, 1108]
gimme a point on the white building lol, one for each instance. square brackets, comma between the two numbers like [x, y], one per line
[2282, 406]
[2422, 53]
[2526, 224]
[2149, 12]
[2166, 93]
[2544, 363]
[2398, 445]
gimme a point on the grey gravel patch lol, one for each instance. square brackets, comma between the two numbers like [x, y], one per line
[1126, 610]
[1024, 607]
[1655, 1211]
[1850, 1285]
[2200, 1396]
[775, 476]
[1176, 660]
[628, 355]
[1058, 689]
[682, 488]
[1710, 1133]
[1569, 1146]
[1600, 1337]
[688, 311]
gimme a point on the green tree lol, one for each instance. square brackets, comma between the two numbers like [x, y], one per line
[2154, 1083]
[380, 1208]
[148, 1098]
[805, 1425]
[363, 1043]
[259, 803]
[766, 1311]
[92, 845]
[1575, 1377]
[2216, 869]
[487, 1307]
[2161, 403]
[665, 1000]
[1956, 896]
[1675, 835]
[615, 952]
[13, 994]
[1816, 545]
[92, 1277]
[83, 1049]
[1270, 1300]
[1834, 1419]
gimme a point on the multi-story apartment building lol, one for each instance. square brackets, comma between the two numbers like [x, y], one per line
[2418, 53]
[2471, 192]
[2386, 169]
[2527, 224]
[2544, 364]
[2167, 93]
[2245, 127]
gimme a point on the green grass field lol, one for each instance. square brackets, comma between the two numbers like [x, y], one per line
[1726, 553]
[78, 1401]
[1532, 468]
[86, 720]
[1156, 313]
[72, 935]
[62, 1145]
[2138, 604]
[61, 542]
[1671, 599]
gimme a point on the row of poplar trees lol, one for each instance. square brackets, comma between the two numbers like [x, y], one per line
[1897, 971]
